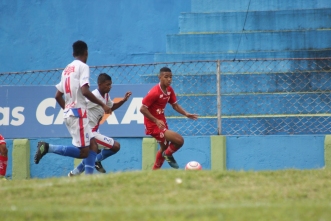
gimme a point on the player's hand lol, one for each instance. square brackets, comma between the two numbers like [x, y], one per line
[160, 124]
[107, 109]
[192, 116]
[127, 95]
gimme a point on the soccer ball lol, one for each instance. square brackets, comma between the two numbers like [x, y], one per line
[193, 165]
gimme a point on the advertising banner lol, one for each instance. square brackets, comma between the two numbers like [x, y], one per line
[32, 112]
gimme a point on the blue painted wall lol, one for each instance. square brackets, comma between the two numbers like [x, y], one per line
[274, 152]
[38, 34]
[242, 153]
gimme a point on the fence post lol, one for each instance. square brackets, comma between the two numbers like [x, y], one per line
[218, 85]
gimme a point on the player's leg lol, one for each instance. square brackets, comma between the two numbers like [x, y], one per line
[3, 160]
[176, 141]
[90, 160]
[159, 159]
[158, 134]
[80, 138]
[111, 147]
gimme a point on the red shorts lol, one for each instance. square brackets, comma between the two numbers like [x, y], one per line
[157, 133]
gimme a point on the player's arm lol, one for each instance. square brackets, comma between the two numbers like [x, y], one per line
[144, 110]
[90, 96]
[59, 99]
[180, 110]
[120, 103]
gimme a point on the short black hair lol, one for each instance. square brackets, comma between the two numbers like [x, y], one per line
[165, 69]
[103, 77]
[79, 48]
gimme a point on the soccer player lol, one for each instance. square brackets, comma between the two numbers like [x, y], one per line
[74, 86]
[95, 114]
[3, 157]
[152, 108]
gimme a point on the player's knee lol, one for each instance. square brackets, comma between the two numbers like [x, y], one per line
[179, 141]
[116, 146]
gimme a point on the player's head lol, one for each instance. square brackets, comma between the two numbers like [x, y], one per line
[104, 83]
[80, 50]
[165, 76]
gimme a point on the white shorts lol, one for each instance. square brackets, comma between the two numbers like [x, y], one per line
[107, 142]
[80, 131]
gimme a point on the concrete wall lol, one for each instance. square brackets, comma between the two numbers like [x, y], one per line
[37, 35]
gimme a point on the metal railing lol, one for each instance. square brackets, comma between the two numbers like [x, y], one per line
[232, 97]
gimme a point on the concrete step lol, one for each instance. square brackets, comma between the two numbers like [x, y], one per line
[276, 125]
[248, 42]
[256, 5]
[251, 82]
[253, 125]
[255, 21]
[256, 104]
[175, 57]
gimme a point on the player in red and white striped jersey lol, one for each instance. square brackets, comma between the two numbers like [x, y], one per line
[152, 108]
[95, 114]
[74, 87]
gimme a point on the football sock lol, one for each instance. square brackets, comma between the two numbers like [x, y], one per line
[3, 165]
[170, 150]
[79, 169]
[90, 162]
[69, 151]
[158, 160]
[104, 154]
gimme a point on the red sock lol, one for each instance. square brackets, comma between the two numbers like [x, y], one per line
[158, 161]
[170, 150]
[3, 165]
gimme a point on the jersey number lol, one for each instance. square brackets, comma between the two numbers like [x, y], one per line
[67, 86]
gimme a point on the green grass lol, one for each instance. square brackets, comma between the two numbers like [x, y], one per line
[155, 195]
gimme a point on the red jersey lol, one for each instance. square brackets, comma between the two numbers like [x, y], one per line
[2, 140]
[156, 101]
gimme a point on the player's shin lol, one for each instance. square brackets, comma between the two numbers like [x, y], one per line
[69, 151]
[79, 169]
[159, 160]
[105, 153]
[89, 162]
[171, 149]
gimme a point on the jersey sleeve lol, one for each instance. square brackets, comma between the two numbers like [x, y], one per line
[173, 98]
[84, 75]
[150, 98]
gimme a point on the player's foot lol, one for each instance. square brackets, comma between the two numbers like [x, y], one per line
[99, 167]
[70, 174]
[171, 160]
[42, 149]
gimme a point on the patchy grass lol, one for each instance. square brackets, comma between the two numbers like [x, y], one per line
[155, 195]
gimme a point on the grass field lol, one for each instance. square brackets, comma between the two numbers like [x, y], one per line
[155, 195]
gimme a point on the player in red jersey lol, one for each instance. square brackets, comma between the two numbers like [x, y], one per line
[3, 157]
[152, 108]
